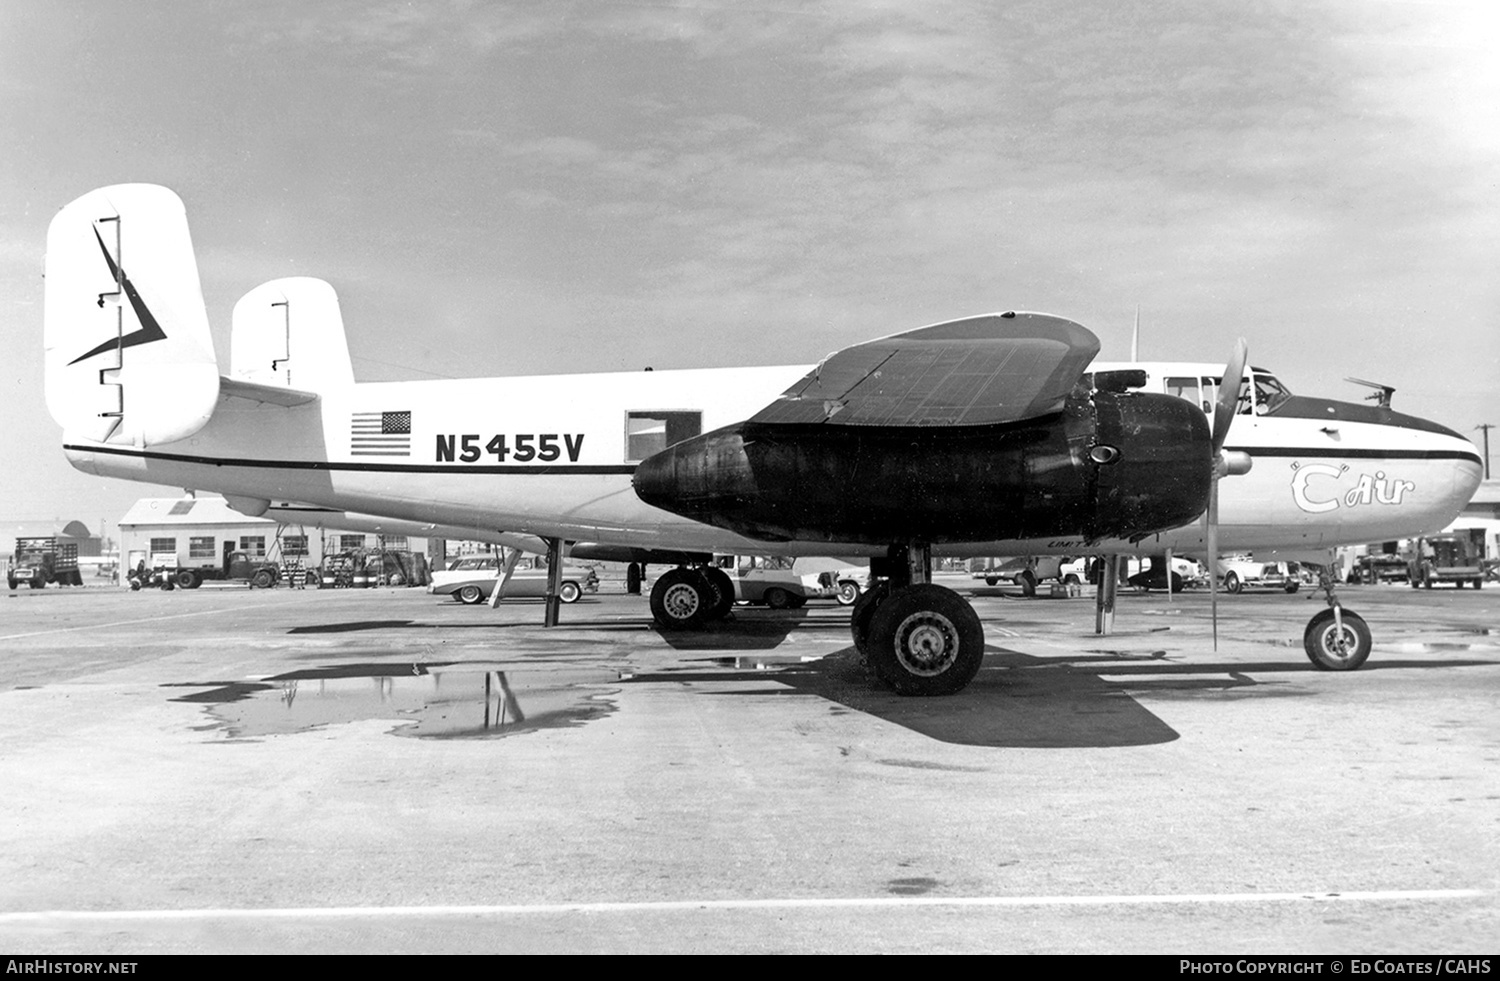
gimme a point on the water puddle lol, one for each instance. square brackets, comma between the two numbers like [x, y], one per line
[452, 701]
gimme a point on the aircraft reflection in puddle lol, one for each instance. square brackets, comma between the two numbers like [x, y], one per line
[468, 700]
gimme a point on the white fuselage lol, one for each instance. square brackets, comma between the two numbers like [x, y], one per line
[553, 456]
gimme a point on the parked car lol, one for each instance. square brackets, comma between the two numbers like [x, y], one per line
[846, 579]
[1239, 573]
[781, 589]
[472, 579]
[1185, 575]
[1027, 571]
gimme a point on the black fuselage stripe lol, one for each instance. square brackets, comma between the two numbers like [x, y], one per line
[572, 468]
[629, 468]
[1356, 454]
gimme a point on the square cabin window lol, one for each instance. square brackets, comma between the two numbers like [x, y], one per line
[647, 433]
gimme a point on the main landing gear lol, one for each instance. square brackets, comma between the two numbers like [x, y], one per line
[1336, 639]
[919, 638]
[686, 599]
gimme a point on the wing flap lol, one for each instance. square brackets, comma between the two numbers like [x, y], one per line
[984, 370]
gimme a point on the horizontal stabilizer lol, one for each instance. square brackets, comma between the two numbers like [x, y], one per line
[978, 371]
[290, 332]
[287, 398]
[129, 358]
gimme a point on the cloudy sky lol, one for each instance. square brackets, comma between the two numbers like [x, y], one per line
[513, 188]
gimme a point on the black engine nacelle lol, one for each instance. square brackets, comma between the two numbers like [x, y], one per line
[1110, 465]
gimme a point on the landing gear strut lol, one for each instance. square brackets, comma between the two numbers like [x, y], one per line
[1336, 639]
[919, 638]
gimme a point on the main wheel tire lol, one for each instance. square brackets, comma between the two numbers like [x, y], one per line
[471, 595]
[722, 588]
[13, 583]
[1027, 581]
[777, 598]
[569, 592]
[926, 640]
[991, 581]
[1478, 583]
[848, 593]
[863, 612]
[263, 579]
[1292, 587]
[1329, 650]
[680, 600]
[1071, 580]
[312, 580]
[1232, 583]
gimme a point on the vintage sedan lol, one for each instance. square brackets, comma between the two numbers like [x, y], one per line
[472, 579]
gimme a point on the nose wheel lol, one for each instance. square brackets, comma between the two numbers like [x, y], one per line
[1336, 639]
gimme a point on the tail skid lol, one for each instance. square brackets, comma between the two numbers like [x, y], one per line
[129, 358]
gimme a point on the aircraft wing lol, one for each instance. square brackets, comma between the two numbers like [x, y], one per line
[977, 371]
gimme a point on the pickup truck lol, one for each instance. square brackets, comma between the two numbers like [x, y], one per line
[1444, 558]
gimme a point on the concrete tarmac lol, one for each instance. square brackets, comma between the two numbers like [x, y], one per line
[281, 771]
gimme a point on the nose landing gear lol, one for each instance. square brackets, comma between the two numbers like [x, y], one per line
[1336, 639]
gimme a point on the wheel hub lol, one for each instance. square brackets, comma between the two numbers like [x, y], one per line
[680, 601]
[926, 644]
[1339, 643]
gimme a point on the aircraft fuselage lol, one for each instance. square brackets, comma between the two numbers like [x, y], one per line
[555, 455]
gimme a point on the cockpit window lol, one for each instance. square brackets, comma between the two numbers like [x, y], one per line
[1269, 394]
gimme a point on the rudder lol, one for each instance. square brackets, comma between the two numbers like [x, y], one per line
[129, 356]
[290, 333]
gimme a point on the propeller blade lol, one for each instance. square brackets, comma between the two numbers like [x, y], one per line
[1229, 394]
[1211, 544]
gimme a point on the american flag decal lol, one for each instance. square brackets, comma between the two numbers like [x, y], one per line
[380, 434]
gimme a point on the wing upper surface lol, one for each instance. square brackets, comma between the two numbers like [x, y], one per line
[976, 371]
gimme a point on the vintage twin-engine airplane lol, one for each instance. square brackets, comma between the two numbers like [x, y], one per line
[987, 435]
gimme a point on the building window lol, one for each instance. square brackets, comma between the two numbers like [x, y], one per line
[348, 543]
[647, 433]
[202, 547]
[397, 542]
[253, 544]
[160, 545]
[293, 544]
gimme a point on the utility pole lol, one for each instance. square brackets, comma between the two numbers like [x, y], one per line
[1486, 426]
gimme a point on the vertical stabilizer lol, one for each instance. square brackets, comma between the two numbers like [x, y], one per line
[129, 358]
[290, 333]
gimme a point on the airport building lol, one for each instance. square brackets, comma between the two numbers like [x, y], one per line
[205, 533]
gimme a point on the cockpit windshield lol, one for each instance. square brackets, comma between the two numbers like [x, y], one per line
[1269, 393]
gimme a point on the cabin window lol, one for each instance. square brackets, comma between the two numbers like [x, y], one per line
[1187, 388]
[647, 433]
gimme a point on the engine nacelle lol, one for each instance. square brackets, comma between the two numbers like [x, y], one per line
[1109, 465]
